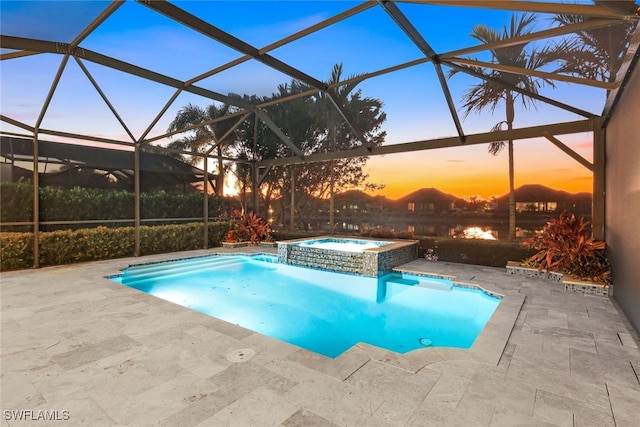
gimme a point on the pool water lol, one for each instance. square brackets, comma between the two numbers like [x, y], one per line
[321, 311]
[344, 245]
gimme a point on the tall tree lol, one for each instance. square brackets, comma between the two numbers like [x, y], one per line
[367, 117]
[306, 124]
[489, 95]
[205, 136]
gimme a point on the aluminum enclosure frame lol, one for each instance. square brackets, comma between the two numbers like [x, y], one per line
[601, 14]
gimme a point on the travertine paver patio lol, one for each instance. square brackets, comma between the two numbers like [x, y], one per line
[109, 355]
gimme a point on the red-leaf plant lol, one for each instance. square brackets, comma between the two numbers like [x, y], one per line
[248, 228]
[565, 245]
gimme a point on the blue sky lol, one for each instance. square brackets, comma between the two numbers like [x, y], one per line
[370, 41]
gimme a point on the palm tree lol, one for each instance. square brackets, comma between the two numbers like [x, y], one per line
[203, 136]
[366, 114]
[488, 94]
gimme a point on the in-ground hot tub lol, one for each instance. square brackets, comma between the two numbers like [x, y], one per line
[365, 257]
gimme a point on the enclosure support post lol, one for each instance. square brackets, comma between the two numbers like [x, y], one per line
[255, 179]
[205, 202]
[36, 161]
[36, 203]
[599, 163]
[332, 222]
[292, 220]
[136, 202]
[254, 186]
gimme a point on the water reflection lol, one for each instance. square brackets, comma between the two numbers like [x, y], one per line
[489, 230]
[477, 233]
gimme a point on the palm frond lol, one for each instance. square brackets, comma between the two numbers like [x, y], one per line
[496, 147]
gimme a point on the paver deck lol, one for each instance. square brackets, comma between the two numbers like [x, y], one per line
[76, 345]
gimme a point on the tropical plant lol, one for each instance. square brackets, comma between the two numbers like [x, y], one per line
[489, 95]
[207, 135]
[248, 227]
[565, 244]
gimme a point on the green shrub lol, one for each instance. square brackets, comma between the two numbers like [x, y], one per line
[77, 204]
[16, 251]
[17, 201]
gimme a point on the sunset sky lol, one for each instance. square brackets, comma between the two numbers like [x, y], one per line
[470, 171]
[369, 41]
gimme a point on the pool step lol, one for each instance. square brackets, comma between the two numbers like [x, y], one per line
[396, 285]
[137, 274]
[403, 281]
[189, 262]
[426, 283]
[438, 286]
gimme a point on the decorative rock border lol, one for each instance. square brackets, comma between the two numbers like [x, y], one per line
[371, 262]
[514, 267]
[571, 284]
[588, 288]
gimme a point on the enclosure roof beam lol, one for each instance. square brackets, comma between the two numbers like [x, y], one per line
[17, 54]
[407, 27]
[536, 73]
[432, 144]
[16, 123]
[536, 7]
[156, 148]
[197, 125]
[107, 12]
[284, 138]
[104, 98]
[471, 71]
[43, 46]
[302, 33]
[629, 63]
[533, 36]
[591, 24]
[567, 150]
[159, 115]
[215, 33]
[187, 19]
[345, 114]
[227, 133]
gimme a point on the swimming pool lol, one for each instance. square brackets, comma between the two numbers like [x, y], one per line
[321, 311]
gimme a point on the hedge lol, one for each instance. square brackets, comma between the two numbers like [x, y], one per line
[72, 246]
[77, 204]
